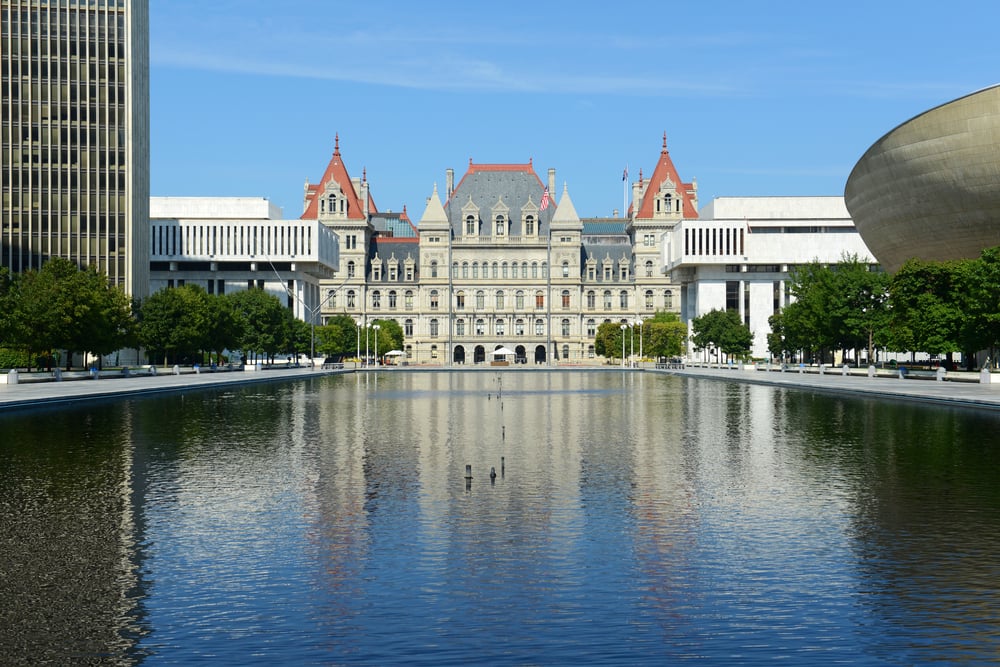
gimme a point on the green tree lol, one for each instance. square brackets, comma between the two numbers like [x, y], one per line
[222, 327]
[108, 323]
[260, 321]
[664, 335]
[174, 322]
[390, 336]
[339, 337]
[49, 308]
[722, 329]
[927, 302]
[608, 341]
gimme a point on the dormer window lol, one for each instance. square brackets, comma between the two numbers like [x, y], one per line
[501, 225]
[470, 225]
[529, 225]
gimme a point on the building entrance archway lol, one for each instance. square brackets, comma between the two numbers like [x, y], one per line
[479, 355]
[459, 356]
[539, 354]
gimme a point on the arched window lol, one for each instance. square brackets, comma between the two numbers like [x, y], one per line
[496, 270]
[649, 299]
[434, 299]
[376, 300]
[408, 299]
[460, 300]
[500, 327]
[465, 269]
[480, 327]
[529, 225]
[350, 269]
[470, 225]
[623, 299]
[350, 298]
[565, 352]
[565, 327]
[475, 269]
[539, 300]
[499, 299]
[504, 270]
[668, 299]
[392, 299]
[565, 269]
[519, 299]
[524, 270]
[649, 269]
[591, 300]
[607, 299]
[454, 270]
[459, 327]
[480, 300]
[565, 298]
[545, 269]
[434, 328]
[434, 352]
[519, 327]
[408, 327]
[591, 327]
[534, 269]
[331, 298]
[434, 269]
[501, 225]
[539, 327]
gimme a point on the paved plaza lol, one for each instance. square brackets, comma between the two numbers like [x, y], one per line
[29, 395]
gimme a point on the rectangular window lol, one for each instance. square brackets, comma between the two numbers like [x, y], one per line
[732, 295]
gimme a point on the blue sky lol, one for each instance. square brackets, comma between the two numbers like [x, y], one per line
[765, 98]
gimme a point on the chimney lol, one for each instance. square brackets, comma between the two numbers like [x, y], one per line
[449, 180]
[552, 184]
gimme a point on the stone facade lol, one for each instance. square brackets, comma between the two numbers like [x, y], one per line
[495, 261]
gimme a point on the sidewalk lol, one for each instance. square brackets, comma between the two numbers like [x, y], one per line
[43, 394]
[966, 394]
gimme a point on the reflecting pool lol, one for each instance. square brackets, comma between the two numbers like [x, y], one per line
[634, 518]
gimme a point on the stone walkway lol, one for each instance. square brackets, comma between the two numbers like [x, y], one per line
[38, 394]
[27, 395]
[968, 394]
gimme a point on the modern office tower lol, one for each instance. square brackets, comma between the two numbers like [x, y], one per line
[75, 144]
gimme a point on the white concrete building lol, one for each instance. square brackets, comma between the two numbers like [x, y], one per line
[227, 244]
[739, 251]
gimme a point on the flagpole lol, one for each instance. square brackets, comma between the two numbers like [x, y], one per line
[625, 193]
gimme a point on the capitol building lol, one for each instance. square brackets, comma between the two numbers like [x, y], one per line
[500, 259]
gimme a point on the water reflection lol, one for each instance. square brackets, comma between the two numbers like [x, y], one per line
[633, 519]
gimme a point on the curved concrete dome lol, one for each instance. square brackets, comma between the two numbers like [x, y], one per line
[930, 188]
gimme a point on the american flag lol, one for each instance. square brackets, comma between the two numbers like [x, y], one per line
[545, 200]
[625, 174]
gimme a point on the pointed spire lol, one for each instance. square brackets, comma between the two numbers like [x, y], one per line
[664, 141]
[336, 144]
[640, 175]
[434, 215]
[566, 217]
[364, 174]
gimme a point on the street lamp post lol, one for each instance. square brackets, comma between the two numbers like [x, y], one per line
[358, 355]
[376, 328]
[623, 328]
[638, 323]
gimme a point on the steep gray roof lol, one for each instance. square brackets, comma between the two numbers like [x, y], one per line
[487, 184]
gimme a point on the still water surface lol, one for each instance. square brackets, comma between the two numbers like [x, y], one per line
[634, 519]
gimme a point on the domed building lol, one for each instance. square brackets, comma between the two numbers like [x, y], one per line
[930, 188]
